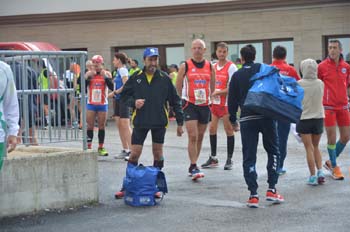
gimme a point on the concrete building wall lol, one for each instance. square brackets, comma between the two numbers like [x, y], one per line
[55, 6]
[305, 25]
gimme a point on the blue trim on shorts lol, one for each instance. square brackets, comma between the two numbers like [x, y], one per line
[97, 108]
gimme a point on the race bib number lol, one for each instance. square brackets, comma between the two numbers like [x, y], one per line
[200, 96]
[96, 96]
[217, 99]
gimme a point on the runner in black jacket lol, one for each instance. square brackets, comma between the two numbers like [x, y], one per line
[148, 92]
[155, 95]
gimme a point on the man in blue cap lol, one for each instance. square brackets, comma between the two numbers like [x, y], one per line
[148, 93]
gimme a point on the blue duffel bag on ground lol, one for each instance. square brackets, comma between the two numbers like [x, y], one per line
[141, 183]
[274, 95]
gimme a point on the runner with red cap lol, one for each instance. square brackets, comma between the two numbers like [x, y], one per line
[98, 81]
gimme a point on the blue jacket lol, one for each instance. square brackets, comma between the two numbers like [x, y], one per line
[239, 85]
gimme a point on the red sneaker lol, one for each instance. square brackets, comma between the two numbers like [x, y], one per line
[158, 195]
[272, 195]
[119, 194]
[253, 202]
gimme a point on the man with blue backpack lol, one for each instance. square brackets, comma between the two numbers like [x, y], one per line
[251, 124]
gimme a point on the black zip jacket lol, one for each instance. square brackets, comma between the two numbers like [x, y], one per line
[154, 113]
[239, 85]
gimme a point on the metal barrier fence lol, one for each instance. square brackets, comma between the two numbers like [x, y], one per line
[52, 100]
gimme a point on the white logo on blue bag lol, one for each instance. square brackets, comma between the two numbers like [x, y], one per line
[138, 81]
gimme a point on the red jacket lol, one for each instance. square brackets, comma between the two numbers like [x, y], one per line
[286, 69]
[336, 82]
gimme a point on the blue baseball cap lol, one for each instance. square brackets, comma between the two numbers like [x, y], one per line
[150, 52]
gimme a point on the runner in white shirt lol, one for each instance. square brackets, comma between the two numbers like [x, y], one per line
[9, 111]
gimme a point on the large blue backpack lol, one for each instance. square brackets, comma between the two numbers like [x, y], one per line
[141, 184]
[274, 95]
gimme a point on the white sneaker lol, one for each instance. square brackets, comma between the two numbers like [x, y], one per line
[123, 154]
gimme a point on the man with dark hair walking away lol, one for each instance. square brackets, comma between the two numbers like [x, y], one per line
[251, 124]
[283, 128]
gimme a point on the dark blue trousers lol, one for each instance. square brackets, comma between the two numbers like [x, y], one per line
[283, 129]
[250, 137]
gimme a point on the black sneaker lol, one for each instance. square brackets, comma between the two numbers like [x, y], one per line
[228, 165]
[211, 162]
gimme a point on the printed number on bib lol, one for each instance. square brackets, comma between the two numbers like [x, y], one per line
[96, 96]
[217, 99]
[200, 96]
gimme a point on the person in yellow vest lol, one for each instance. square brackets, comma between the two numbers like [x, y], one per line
[238, 63]
[134, 64]
[47, 80]
[173, 69]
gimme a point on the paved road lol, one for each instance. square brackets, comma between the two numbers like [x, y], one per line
[216, 203]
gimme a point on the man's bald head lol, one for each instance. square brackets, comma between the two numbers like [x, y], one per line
[198, 50]
[198, 41]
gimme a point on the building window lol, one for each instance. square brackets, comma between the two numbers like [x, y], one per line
[168, 54]
[344, 40]
[234, 49]
[174, 55]
[263, 49]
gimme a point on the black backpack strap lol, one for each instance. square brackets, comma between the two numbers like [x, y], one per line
[161, 182]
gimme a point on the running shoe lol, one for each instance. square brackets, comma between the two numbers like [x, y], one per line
[158, 195]
[123, 154]
[328, 166]
[337, 174]
[312, 181]
[228, 165]
[320, 177]
[120, 194]
[211, 162]
[281, 172]
[272, 195]
[196, 174]
[253, 202]
[102, 151]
